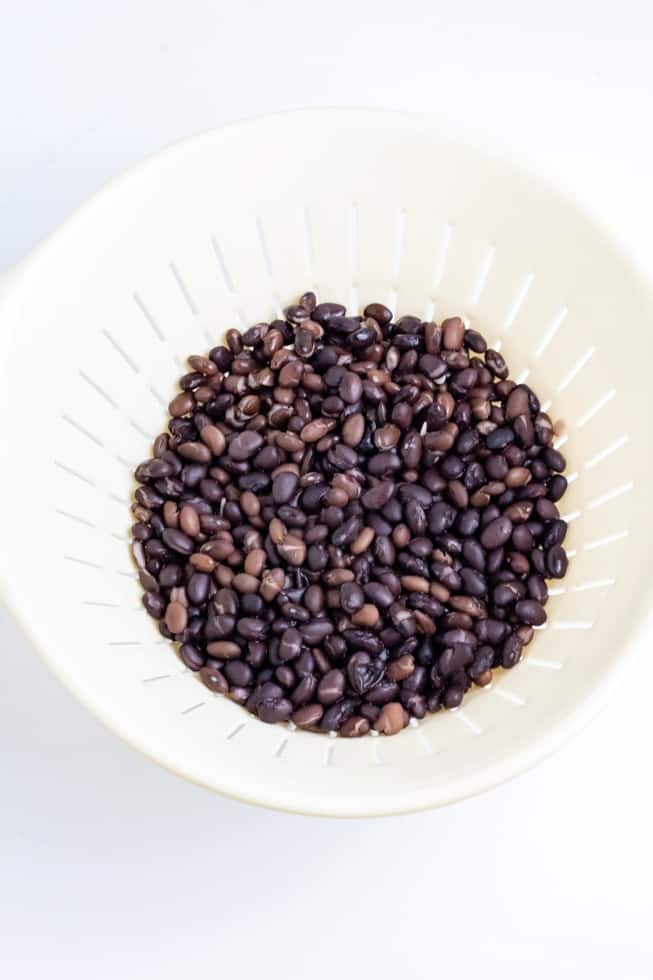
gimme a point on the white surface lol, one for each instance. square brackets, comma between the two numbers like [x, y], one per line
[117, 868]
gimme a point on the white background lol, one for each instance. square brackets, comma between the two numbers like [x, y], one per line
[111, 869]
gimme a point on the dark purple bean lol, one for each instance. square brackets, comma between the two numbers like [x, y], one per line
[557, 487]
[335, 716]
[251, 629]
[499, 438]
[363, 672]
[191, 657]
[272, 710]
[178, 541]
[555, 534]
[198, 588]
[324, 312]
[531, 612]
[331, 687]
[352, 597]
[511, 651]
[378, 594]
[554, 460]
[496, 533]
[440, 518]
[290, 645]
[238, 673]
[284, 487]
[556, 562]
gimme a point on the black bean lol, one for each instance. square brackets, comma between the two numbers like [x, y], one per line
[178, 541]
[431, 366]
[191, 657]
[245, 445]
[415, 517]
[364, 672]
[155, 604]
[499, 439]
[454, 658]
[350, 388]
[530, 611]
[284, 487]
[238, 673]
[251, 629]
[316, 631]
[380, 464]
[496, 364]
[554, 460]
[556, 562]
[440, 517]
[304, 691]
[352, 597]
[290, 645]
[475, 341]
[384, 550]
[272, 710]
[347, 531]
[555, 533]
[324, 312]
[331, 687]
[557, 487]
[496, 533]
[198, 588]
[335, 716]
[379, 594]
[511, 651]
[523, 429]
[452, 467]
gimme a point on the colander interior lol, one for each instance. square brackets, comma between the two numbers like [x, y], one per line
[224, 231]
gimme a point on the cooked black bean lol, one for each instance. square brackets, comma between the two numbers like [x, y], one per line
[496, 364]
[352, 597]
[238, 673]
[499, 438]
[251, 629]
[198, 588]
[243, 446]
[284, 487]
[511, 651]
[379, 594]
[273, 710]
[331, 687]
[554, 534]
[337, 495]
[304, 691]
[441, 516]
[557, 487]
[556, 562]
[155, 604]
[554, 459]
[335, 716]
[455, 658]
[496, 533]
[324, 312]
[178, 541]
[191, 657]
[531, 612]
[475, 341]
[290, 645]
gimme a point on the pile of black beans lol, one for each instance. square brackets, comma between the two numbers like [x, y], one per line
[350, 520]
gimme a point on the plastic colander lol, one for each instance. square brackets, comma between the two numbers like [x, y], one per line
[224, 230]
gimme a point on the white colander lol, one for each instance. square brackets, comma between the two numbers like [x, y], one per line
[225, 230]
